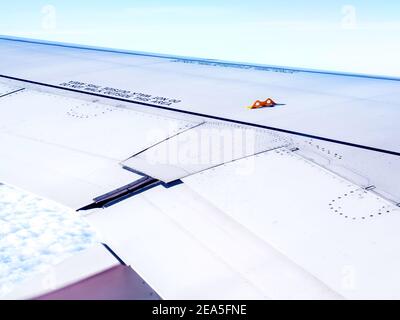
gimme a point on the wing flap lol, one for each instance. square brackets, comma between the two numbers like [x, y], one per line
[186, 247]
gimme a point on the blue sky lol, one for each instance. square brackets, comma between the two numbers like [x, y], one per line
[352, 36]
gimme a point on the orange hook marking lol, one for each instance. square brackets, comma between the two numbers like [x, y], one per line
[263, 104]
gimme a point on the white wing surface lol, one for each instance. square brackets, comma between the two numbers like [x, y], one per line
[203, 197]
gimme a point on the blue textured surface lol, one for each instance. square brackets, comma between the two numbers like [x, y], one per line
[36, 234]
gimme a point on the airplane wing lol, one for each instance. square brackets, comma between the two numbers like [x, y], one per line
[196, 195]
